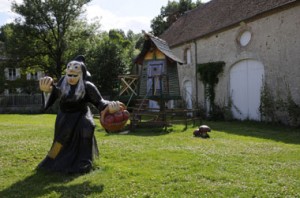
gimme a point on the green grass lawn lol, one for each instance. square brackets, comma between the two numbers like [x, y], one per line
[241, 159]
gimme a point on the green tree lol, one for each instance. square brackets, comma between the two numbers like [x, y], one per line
[42, 31]
[83, 38]
[20, 50]
[136, 45]
[106, 62]
[170, 13]
[1, 64]
[112, 57]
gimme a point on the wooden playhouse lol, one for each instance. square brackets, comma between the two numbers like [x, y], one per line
[155, 85]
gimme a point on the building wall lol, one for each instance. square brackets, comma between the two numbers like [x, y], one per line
[275, 42]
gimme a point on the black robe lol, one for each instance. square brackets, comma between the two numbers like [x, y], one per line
[74, 130]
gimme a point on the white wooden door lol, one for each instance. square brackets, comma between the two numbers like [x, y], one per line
[246, 78]
[187, 94]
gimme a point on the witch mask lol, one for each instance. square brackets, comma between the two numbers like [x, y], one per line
[74, 72]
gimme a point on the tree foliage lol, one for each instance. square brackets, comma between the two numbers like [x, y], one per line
[209, 75]
[170, 13]
[1, 63]
[111, 57]
[48, 43]
[43, 30]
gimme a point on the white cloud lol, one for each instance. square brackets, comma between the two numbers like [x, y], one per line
[110, 20]
[5, 5]
[6, 15]
[127, 15]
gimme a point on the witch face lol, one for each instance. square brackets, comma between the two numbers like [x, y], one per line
[73, 72]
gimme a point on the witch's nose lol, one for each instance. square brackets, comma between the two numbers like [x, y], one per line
[71, 69]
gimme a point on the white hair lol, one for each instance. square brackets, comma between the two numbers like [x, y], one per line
[79, 91]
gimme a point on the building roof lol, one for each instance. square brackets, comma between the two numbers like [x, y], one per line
[215, 16]
[161, 44]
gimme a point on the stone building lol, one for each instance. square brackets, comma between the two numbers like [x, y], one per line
[259, 42]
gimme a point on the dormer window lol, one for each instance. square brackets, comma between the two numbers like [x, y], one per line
[12, 73]
[32, 76]
[36, 75]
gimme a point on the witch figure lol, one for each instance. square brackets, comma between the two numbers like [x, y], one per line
[74, 146]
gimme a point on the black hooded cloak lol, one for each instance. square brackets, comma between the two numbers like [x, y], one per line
[74, 129]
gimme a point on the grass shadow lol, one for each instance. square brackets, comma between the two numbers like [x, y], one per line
[140, 131]
[145, 133]
[42, 183]
[157, 131]
[269, 131]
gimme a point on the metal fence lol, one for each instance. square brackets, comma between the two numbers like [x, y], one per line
[20, 100]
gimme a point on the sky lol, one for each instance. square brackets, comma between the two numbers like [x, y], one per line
[135, 15]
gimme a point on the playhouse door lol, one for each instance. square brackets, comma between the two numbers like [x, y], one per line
[246, 78]
[155, 69]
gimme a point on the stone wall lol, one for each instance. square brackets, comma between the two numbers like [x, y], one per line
[275, 42]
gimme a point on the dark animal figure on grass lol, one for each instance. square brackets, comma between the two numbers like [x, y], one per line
[202, 131]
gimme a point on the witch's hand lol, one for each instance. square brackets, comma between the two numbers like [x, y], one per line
[46, 84]
[114, 106]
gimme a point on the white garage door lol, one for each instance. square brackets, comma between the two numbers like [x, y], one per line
[246, 78]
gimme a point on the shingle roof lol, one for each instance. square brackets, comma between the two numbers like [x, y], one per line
[161, 44]
[216, 15]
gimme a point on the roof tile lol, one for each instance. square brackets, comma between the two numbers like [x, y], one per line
[216, 15]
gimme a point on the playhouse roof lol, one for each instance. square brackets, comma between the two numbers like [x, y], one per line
[216, 15]
[162, 45]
